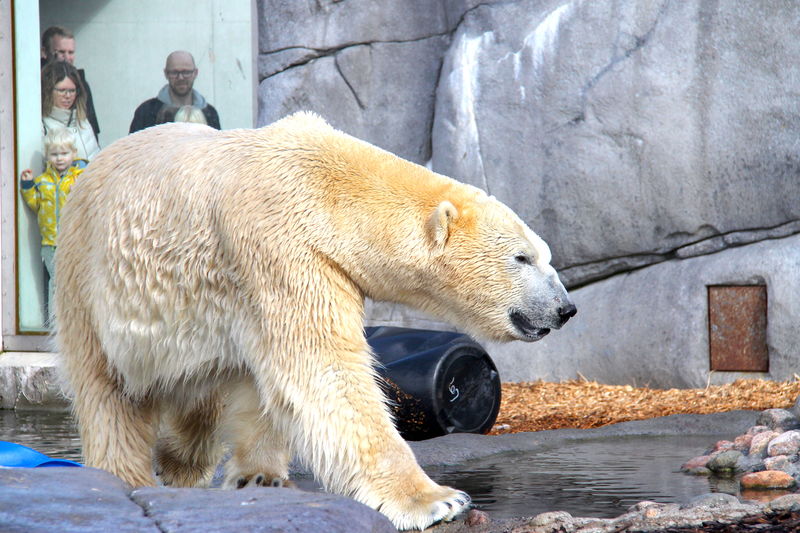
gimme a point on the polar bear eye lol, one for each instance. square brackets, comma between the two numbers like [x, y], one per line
[522, 259]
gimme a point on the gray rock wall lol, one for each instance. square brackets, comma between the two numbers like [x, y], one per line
[625, 133]
[650, 326]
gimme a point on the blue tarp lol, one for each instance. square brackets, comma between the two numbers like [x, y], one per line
[14, 455]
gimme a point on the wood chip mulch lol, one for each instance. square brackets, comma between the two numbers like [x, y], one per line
[587, 404]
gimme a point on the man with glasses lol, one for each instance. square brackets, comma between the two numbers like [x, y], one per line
[180, 71]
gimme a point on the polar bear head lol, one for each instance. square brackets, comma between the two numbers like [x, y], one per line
[494, 273]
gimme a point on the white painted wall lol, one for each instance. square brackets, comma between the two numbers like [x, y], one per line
[28, 110]
[123, 44]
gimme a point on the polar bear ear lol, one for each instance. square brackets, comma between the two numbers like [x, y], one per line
[439, 222]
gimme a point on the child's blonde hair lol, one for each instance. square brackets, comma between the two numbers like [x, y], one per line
[190, 113]
[59, 138]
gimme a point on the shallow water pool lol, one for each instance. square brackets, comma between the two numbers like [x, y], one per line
[51, 432]
[595, 477]
[599, 477]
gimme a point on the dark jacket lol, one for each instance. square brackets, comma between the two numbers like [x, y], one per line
[145, 115]
[91, 116]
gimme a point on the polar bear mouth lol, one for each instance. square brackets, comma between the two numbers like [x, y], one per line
[524, 326]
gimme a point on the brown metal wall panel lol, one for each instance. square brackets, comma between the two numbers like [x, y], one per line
[737, 328]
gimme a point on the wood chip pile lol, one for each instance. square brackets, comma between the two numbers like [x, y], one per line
[587, 404]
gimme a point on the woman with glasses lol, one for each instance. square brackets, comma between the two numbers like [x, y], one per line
[64, 106]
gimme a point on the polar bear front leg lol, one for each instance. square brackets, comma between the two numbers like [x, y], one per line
[343, 431]
[407, 496]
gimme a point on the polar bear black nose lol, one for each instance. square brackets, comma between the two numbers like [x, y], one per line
[567, 311]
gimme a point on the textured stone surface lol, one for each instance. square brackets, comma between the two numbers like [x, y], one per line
[651, 326]
[712, 499]
[743, 442]
[79, 500]
[723, 445]
[257, 509]
[29, 380]
[760, 442]
[87, 500]
[351, 90]
[778, 419]
[603, 96]
[768, 479]
[726, 461]
[790, 502]
[626, 134]
[779, 462]
[573, 112]
[787, 443]
[697, 462]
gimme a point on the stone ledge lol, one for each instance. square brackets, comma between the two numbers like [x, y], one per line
[30, 380]
[34, 499]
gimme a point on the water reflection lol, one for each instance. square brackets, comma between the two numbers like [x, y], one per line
[598, 477]
[53, 433]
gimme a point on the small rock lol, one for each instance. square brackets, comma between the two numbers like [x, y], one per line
[550, 518]
[778, 462]
[768, 479]
[729, 461]
[742, 442]
[789, 502]
[642, 505]
[697, 462]
[723, 445]
[784, 444]
[712, 499]
[476, 517]
[757, 429]
[651, 512]
[501, 428]
[758, 446]
[778, 420]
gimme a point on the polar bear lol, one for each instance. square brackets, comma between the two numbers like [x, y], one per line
[210, 289]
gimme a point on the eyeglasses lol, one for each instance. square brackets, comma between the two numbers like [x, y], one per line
[66, 92]
[181, 73]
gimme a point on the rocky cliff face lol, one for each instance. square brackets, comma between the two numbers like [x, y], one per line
[625, 133]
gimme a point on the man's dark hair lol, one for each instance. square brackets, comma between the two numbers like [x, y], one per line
[54, 31]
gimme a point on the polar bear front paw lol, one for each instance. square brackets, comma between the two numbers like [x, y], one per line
[259, 479]
[439, 506]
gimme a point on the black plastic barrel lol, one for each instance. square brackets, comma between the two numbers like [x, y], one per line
[437, 382]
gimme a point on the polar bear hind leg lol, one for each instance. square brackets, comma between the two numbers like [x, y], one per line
[258, 434]
[117, 431]
[188, 451]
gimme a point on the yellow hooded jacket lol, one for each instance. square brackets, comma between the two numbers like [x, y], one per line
[46, 196]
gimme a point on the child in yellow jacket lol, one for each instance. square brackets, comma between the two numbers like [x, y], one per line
[47, 193]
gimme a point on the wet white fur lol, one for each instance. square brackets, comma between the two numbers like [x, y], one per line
[211, 288]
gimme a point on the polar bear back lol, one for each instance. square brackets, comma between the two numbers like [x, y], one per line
[159, 239]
